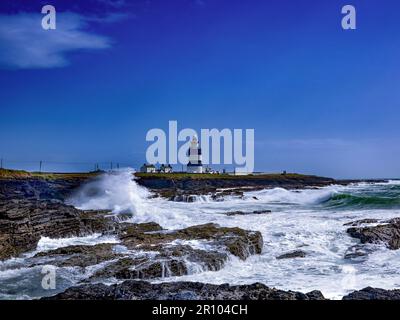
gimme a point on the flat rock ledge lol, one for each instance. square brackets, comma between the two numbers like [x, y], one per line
[292, 255]
[243, 213]
[142, 251]
[386, 232]
[141, 290]
[24, 222]
[146, 251]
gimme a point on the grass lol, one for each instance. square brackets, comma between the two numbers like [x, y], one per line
[197, 176]
[21, 174]
[6, 173]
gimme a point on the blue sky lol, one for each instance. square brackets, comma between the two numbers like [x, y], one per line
[321, 100]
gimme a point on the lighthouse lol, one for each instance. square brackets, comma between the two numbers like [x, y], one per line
[194, 165]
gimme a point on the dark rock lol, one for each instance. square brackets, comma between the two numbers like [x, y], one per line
[388, 233]
[238, 242]
[24, 222]
[140, 290]
[169, 186]
[150, 252]
[79, 256]
[373, 294]
[168, 256]
[292, 254]
[242, 213]
[261, 211]
[356, 251]
[219, 195]
[315, 295]
[40, 188]
[184, 198]
[360, 222]
[170, 262]
[141, 268]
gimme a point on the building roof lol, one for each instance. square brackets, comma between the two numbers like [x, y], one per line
[148, 166]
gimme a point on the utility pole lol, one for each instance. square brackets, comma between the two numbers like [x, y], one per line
[1, 166]
[40, 166]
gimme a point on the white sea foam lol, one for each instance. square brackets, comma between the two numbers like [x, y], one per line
[114, 191]
[46, 244]
[300, 197]
[299, 221]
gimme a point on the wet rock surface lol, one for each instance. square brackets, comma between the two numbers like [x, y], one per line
[242, 213]
[238, 242]
[24, 222]
[140, 290]
[183, 196]
[361, 222]
[79, 255]
[153, 252]
[142, 251]
[146, 251]
[292, 255]
[32, 208]
[39, 188]
[356, 251]
[176, 261]
[169, 186]
[373, 294]
[386, 232]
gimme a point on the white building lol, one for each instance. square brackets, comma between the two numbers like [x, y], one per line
[194, 165]
[165, 168]
[148, 168]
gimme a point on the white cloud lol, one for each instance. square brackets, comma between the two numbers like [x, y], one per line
[25, 45]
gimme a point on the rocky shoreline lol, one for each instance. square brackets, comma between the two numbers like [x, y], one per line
[179, 188]
[142, 290]
[149, 250]
[31, 208]
[24, 222]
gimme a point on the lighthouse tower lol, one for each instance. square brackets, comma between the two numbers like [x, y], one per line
[194, 153]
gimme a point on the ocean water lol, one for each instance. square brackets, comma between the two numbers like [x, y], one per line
[310, 220]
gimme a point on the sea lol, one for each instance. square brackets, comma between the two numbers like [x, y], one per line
[311, 220]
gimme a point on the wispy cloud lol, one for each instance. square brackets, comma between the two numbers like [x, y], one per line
[25, 45]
